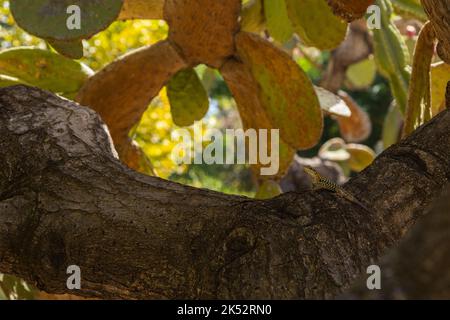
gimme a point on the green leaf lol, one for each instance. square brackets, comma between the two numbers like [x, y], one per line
[316, 24]
[7, 81]
[43, 69]
[69, 49]
[48, 19]
[247, 95]
[15, 288]
[277, 20]
[362, 74]
[252, 16]
[285, 92]
[412, 8]
[188, 98]
[268, 189]
[391, 55]
[3, 295]
[391, 127]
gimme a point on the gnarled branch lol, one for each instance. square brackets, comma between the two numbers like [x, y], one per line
[66, 199]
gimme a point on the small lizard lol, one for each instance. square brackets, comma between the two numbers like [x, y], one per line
[320, 182]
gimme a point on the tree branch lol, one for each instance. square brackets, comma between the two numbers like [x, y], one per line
[66, 199]
[419, 268]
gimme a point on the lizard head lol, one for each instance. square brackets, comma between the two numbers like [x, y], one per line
[313, 174]
[309, 170]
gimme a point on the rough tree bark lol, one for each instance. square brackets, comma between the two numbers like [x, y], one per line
[420, 267]
[66, 199]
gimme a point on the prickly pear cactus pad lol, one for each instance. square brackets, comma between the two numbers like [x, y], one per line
[48, 19]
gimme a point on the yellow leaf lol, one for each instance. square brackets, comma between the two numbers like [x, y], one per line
[440, 76]
[392, 126]
[245, 91]
[188, 98]
[419, 96]
[285, 92]
[362, 74]
[278, 22]
[316, 24]
[361, 156]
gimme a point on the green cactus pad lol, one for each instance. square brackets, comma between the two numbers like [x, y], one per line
[48, 18]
